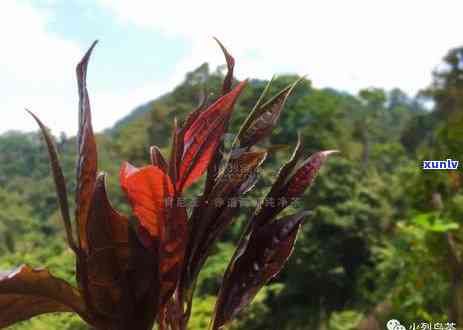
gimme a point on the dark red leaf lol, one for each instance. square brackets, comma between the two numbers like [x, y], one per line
[267, 212]
[203, 137]
[108, 256]
[253, 114]
[287, 169]
[172, 250]
[238, 169]
[143, 284]
[163, 223]
[223, 106]
[60, 183]
[213, 168]
[86, 153]
[27, 292]
[192, 116]
[305, 174]
[293, 179]
[176, 152]
[262, 259]
[228, 80]
[210, 221]
[157, 159]
[214, 165]
[265, 118]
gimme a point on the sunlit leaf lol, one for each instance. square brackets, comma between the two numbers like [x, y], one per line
[214, 165]
[176, 152]
[203, 137]
[147, 188]
[163, 223]
[222, 107]
[434, 223]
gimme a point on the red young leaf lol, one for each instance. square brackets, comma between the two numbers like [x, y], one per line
[175, 152]
[223, 106]
[147, 188]
[125, 172]
[197, 157]
[154, 203]
[87, 154]
[203, 137]
[262, 259]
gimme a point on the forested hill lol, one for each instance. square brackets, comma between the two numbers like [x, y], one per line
[371, 204]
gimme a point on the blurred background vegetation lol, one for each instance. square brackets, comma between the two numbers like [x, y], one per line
[385, 238]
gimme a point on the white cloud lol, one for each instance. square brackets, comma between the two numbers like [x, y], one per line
[35, 69]
[37, 72]
[343, 44]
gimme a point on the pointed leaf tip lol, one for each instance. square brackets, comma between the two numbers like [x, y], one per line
[88, 53]
[263, 257]
[228, 80]
[304, 175]
[327, 153]
[263, 119]
[157, 159]
[230, 60]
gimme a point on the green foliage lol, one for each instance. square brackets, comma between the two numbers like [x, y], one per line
[407, 263]
[371, 237]
[345, 320]
[56, 321]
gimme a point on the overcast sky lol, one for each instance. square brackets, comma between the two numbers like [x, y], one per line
[147, 46]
